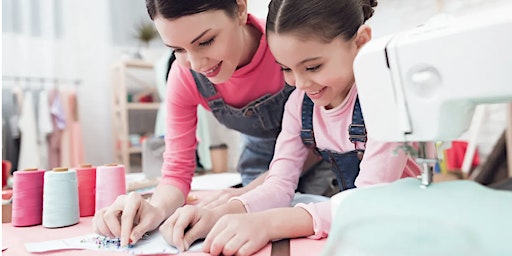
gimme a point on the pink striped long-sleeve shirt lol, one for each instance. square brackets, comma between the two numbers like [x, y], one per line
[380, 164]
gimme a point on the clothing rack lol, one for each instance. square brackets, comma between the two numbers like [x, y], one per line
[42, 80]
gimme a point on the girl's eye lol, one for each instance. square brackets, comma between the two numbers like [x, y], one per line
[207, 43]
[312, 69]
[286, 69]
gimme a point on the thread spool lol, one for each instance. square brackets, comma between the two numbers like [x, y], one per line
[86, 175]
[110, 183]
[60, 198]
[27, 197]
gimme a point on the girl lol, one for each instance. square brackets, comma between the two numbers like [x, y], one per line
[224, 64]
[315, 43]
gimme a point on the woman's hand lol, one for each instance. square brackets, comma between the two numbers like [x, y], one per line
[238, 234]
[220, 197]
[188, 224]
[129, 217]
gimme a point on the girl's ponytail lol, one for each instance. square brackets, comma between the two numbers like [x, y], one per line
[368, 8]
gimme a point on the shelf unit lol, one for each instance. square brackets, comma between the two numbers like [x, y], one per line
[128, 79]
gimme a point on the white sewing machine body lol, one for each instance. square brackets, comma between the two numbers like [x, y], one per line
[423, 84]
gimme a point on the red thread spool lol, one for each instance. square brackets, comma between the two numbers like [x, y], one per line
[6, 170]
[86, 175]
[27, 197]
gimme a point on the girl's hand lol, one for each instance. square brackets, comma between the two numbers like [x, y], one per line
[238, 234]
[188, 224]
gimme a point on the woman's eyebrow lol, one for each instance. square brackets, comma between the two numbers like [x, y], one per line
[199, 36]
[194, 40]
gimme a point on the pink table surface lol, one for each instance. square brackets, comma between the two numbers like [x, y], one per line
[14, 238]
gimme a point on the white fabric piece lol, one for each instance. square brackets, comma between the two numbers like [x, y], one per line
[45, 128]
[29, 155]
[152, 245]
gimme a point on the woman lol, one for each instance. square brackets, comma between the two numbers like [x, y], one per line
[224, 64]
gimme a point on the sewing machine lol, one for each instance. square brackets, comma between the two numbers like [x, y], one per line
[422, 85]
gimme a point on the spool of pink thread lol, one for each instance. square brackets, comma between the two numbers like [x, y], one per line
[86, 175]
[110, 183]
[27, 198]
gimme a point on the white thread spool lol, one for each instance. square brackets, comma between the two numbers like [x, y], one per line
[110, 183]
[60, 198]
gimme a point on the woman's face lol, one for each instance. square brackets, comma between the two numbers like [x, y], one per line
[209, 42]
[323, 70]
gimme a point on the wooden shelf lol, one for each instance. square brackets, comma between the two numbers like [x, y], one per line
[134, 64]
[131, 74]
[135, 150]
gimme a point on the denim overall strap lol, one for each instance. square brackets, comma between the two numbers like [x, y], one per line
[357, 130]
[208, 91]
[306, 134]
[259, 123]
[344, 165]
[260, 118]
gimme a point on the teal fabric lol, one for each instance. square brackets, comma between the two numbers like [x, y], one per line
[447, 218]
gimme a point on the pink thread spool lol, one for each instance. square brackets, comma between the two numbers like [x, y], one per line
[86, 175]
[27, 198]
[110, 183]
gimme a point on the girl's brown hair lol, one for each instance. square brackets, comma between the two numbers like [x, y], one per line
[322, 19]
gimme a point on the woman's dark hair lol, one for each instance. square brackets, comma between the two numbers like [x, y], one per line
[322, 19]
[173, 9]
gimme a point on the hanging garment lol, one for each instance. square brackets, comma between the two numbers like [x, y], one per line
[11, 133]
[65, 145]
[76, 139]
[45, 128]
[59, 123]
[29, 156]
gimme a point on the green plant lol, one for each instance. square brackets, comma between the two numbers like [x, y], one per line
[145, 32]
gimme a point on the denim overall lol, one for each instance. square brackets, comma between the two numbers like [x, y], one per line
[259, 123]
[344, 165]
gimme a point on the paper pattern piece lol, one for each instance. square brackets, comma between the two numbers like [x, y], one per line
[154, 243]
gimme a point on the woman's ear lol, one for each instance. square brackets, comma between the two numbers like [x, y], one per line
[364, 34]
[242, 11]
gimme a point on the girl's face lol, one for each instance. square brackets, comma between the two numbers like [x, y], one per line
[323, 70]
[209, 42]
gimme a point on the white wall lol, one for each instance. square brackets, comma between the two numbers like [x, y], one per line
[258, 7]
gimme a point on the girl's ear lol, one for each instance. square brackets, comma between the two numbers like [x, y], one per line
[364, 34]
[242, 11]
